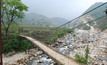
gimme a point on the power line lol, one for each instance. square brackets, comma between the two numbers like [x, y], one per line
[90, 21]
[83, 14]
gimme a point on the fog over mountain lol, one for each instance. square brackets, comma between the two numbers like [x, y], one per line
[67, 9]
[42, 20]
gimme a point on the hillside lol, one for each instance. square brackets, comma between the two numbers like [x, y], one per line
[97, 13]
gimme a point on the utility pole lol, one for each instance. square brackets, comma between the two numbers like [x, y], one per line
[0, 38]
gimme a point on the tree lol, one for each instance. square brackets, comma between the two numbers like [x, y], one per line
[11, 11]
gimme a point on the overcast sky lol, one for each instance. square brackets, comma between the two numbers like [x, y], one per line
[67, 9]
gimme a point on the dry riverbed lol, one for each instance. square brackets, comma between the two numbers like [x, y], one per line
[31, 57]
[21, 58]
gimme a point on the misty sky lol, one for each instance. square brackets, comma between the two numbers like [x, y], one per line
[67, 9]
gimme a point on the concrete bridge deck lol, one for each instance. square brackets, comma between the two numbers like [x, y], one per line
[61, 59]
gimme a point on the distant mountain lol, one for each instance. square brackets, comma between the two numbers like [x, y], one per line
[96, 14]
[34, 19]
[34, 16]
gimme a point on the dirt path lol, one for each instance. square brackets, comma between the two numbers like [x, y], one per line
[59, 57]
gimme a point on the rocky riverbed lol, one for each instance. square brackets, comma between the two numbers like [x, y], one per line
[68, 45]
[97, 42]
[30, 57]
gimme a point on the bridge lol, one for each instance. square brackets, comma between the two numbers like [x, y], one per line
[58, 57]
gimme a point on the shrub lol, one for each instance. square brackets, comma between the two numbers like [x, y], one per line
[15, 43]
[81, 58]
[7, 48]
[74, 35]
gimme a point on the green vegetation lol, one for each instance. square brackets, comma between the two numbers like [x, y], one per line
[47, 35]
[87, 53]
[81, 58]
[12, 10]
[15, 43]
[74, 35]
[57, 34]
